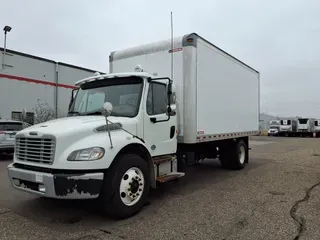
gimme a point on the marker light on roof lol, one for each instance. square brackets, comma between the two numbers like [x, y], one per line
[96, 74]
[138, 68]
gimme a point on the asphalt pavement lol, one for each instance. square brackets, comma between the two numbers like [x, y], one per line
[275, 197]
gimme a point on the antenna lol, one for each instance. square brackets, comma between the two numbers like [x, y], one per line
[171, 46]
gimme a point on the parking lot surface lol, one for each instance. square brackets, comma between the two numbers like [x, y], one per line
[276, 196]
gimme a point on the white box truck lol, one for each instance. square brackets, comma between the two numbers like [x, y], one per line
[317, 127]
[306, 126]
[288, 127]
[274, 128]
[130, 130]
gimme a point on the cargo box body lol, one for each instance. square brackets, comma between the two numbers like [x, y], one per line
[317, 125]
[288, 125]
[306, 125]
[218, 95]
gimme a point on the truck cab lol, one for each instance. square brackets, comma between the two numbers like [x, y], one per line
[273, 131]
[103, 152]
[274, 128]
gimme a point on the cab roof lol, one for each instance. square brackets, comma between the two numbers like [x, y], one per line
[113, 75]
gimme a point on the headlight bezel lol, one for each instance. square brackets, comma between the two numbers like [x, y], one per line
[75, 156]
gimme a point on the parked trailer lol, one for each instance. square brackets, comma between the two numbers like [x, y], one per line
[156, 127]
[288, 127]
[306, 126]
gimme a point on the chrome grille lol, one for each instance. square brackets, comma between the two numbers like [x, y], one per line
[39, 150]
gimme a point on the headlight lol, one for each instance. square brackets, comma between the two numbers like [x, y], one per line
[87, 154]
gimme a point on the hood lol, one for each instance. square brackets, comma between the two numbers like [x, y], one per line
[78, 124]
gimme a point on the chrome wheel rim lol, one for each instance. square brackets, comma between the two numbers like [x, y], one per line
[242, 154]
[132, 186]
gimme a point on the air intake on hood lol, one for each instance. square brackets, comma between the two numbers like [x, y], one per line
[112, 127]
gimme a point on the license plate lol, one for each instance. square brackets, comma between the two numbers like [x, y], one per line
[39, 178]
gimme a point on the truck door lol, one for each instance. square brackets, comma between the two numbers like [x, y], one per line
[159, 128]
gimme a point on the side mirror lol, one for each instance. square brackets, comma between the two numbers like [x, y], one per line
[172, 110]
[74, 93]
[106, 109]
[173, 94]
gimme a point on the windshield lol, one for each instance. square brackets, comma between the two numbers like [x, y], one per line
[303, 120]
[123, 93]
[273, 127]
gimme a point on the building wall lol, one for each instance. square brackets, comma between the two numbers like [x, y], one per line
[26, 81]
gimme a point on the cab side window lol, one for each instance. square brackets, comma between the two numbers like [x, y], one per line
[157, 99]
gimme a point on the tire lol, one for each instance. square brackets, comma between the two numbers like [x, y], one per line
[115, 193]
[181, 163]
[235, 155]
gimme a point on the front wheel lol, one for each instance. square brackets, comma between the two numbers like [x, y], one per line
[126, 186]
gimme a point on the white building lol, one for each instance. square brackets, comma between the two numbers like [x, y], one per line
[27, 81]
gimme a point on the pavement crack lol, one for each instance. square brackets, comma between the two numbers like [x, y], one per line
[110, 233]
[301, 221]
[105, 231]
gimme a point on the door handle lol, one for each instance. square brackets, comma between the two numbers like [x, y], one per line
[172, 131]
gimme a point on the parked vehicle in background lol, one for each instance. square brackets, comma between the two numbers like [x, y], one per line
[317, 127]
[274, 123]
[288, 127]
[274, 126]
[151, 128]
[306, 126]
[8, 130]
[273, 131]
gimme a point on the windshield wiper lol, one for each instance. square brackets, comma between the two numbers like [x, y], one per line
[73, 113]
[93, 113]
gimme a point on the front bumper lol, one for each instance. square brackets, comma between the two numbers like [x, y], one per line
[273, 133]
[303, 130]
[61, 186]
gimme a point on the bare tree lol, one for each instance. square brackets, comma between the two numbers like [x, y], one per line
[43, 112]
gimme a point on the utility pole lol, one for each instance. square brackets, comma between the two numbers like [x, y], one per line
[6, 29]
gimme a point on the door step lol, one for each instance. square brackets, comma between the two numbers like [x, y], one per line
[169, 177]
[162, 159]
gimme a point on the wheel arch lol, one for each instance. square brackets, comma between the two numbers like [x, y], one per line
[142, 151]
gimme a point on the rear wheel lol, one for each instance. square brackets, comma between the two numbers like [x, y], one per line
[126, 186]
[234, 155]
